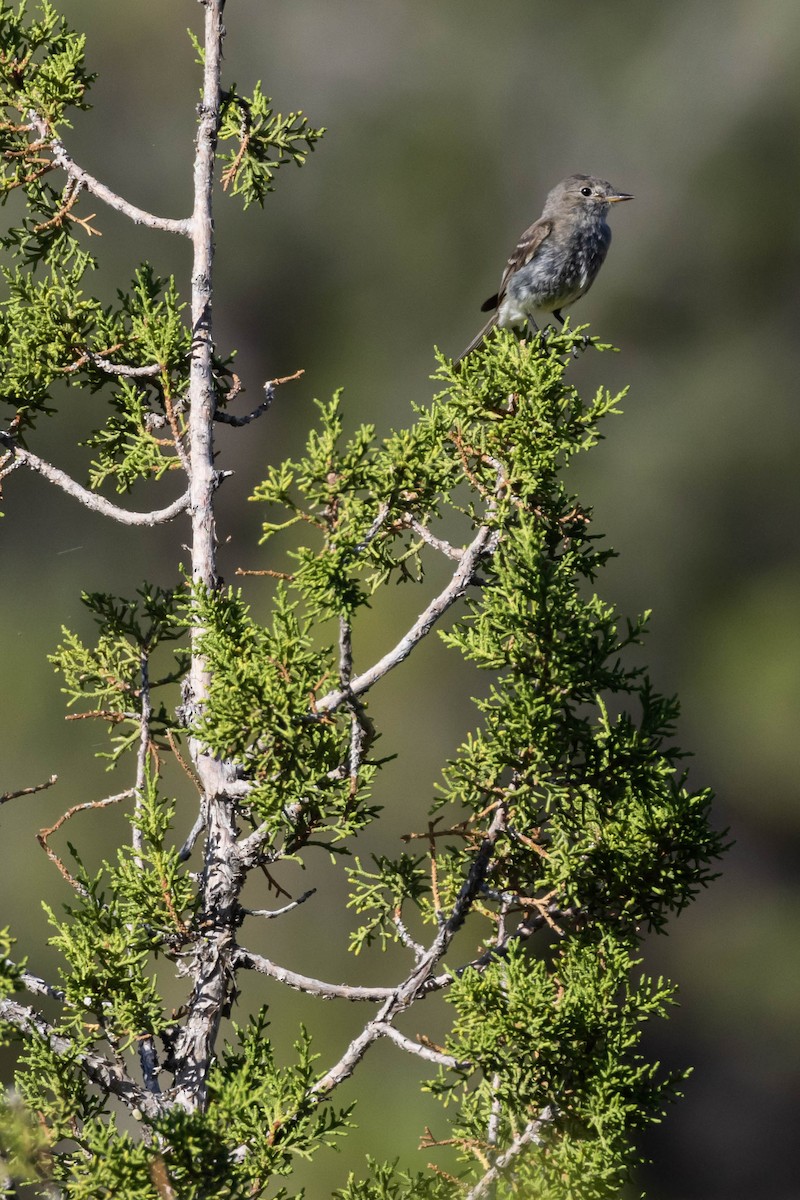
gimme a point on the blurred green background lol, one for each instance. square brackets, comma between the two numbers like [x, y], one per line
[448, 124]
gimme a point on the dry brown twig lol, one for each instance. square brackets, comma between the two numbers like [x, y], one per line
[27, 791]
[44, 835]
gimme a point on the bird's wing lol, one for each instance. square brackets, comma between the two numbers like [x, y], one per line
[524, 251]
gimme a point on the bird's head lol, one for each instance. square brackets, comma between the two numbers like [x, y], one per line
[582, 193]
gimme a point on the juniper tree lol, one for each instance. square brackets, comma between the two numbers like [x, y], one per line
[562, 829]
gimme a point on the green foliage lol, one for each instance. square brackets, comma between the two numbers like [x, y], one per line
[9, 972]
[44, 326]
[266, 141]
[560, 1034]
[359, 498]
[381, 894]
[154, 891]
[257, 715]
[264, 1109]
[24, 1146]
[603, 839]
[107, 941]
[41, 64]
[146, 330]
[42, 78]
[113, 673]
[388, 1182]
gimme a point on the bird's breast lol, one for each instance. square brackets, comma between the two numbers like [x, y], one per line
[562, 270]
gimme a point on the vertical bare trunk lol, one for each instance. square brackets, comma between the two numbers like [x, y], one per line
[201, 420]
[221, 877]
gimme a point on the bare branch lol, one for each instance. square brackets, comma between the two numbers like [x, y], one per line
[194, 833]
[531, 1135]
[269, 913]
[38, 986]
[362, 730]
[139, 216]
[405, 937]
[222, 876]
[415, 985]
[345, 652]
[44, 835]
[483, 544]
[28, 791]
[373, 530]
[148, 1058]
[269, 395]
[437, 543]
[110, 368]
[304, 983]
[524, 930]
[422, 1051]
[493, 1131]
[97, 503]
[142, 754]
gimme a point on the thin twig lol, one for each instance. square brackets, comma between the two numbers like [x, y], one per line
[159, 1177]
[269, 395]
[71, 195]
[362, 729]
[173, 745]
[373, 530]
[178, 435]
[436, 542]
[44, 834]
[525, 929]
[28, 791]
[405, 937]
[269, 913]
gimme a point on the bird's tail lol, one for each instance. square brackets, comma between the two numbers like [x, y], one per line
[476, 341]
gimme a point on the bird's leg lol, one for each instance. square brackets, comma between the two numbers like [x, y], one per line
[585, 341]
[549, 332]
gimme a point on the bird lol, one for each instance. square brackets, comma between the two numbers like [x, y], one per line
[556, 259]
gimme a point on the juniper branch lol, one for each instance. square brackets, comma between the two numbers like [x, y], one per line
[414, 985]
[531, 1135]
[99, 504]
[482, 546]
[64, 160]
[305, 983]
[110, 1076]
[422, 1051]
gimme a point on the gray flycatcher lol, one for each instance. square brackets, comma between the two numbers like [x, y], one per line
[557, 258]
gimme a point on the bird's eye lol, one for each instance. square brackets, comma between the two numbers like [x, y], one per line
[586, 191]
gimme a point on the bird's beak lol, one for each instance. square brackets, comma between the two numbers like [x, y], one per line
[615, 199]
